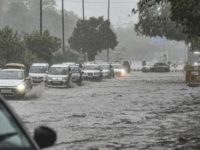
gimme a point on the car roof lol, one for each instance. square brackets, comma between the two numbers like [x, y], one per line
[40, 64]
[60, 65]
[15, 65]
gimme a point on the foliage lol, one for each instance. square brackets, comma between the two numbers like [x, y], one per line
[184, 14]
[43, 46]
[92, 36]
[11, 46]
[155, 21]
[24, 16]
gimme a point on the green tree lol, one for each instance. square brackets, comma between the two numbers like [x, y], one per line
[11, 46]
[92, 36]
[179, 21]
[185, 13]
[156, 21]
[43, 46]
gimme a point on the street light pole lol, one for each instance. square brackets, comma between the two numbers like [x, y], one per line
[40, 17]
[108, 55]
[83, 8]
[63, 27]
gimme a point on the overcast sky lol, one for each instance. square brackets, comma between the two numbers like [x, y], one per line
[120, 10]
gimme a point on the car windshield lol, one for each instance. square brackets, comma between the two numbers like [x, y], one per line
[74, 69]
[90, 67]
[58, 71]
[11, 135]
[38, 69]
[117, 66]
[105, 66]
[11, 75]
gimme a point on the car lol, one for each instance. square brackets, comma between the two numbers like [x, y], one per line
[119, 70]
[146, 67]
[15, 66]
[15, 136]
[38, 72]
[160, 67]
[13, 82]
[92, 72]
[77, 74]
[59, 75]
[107, 70]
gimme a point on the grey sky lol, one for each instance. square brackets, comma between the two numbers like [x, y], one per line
[120, 10]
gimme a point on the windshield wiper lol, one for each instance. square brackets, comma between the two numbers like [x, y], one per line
[5, 136]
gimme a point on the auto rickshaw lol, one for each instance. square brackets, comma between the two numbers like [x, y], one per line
[192, 74]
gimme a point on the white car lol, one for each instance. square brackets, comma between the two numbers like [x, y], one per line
[13, 82]
[92, 72]
[38, 72]
[59, 75]
[107, 70]
[119, 70]
[77, 74]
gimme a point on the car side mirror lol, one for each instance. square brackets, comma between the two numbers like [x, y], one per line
[45, 136]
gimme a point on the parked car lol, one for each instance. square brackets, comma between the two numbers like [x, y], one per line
[14, 135]
[13, 82]
[59, 75]
[107, 70]
[119, 70]
[92, 72]
[38, 72]
[147, 67]
[160, 67]
[77, 74]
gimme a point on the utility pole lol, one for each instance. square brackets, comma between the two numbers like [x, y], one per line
[40, 17]
[83, 9]
[108, 57]
[63, 27]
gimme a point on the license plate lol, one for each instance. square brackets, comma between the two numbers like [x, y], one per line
[56, 82]
[6, 91]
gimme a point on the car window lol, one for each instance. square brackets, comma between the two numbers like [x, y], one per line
[58, 71]
[38, 69]
[11, 135]
[90, 67]
[11, 75]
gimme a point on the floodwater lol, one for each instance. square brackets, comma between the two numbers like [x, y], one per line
[144, 111]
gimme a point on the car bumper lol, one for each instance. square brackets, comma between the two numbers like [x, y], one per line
[11, 92]
[61, 83]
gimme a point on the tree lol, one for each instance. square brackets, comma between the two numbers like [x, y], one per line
[155, 21]
[11, 46]
[92, 36]
[184, 14]
[43, 46]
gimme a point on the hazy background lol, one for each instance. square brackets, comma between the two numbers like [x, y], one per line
[23, 16]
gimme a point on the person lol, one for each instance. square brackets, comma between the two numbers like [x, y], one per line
[112, 74]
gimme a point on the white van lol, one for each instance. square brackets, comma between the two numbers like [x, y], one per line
[59, 75]
[38, 72]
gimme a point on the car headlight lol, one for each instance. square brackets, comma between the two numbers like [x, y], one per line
[123, 72]
[21, 87]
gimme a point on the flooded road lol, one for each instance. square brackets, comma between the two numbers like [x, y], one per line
[154, 111]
